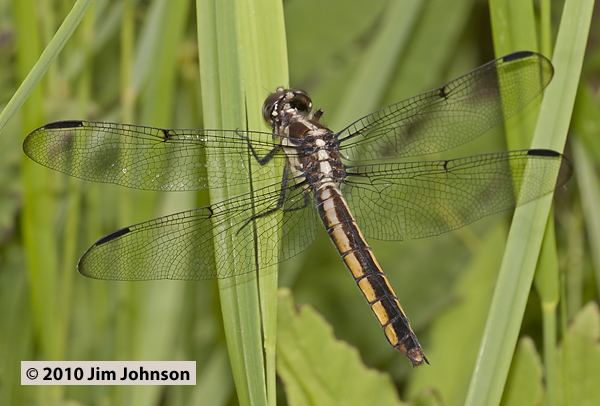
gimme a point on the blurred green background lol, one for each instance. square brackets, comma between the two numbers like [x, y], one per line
[137, 61]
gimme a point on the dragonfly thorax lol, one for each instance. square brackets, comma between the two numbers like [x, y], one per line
[312, 148]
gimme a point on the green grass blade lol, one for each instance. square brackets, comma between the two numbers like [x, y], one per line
[270, 70]
[432, 47]
[545, 43]
[38, 228]
[512, 25]
[213, 385]
[219, 71]
[588, 181]
[127, 39]
[547, 274]
[236, 70]
[586, 151]
[72, 222]
[149, 37]
[514, 29]
[376, 66]
[548, 287]
[48, 55]
[527, 230]
[155, 102]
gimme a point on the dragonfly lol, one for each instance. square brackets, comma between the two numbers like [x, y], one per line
[367, 180]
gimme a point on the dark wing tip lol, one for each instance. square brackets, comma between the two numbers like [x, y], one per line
[548, 69]
[112, 236]
[33, 136]
[544, 152]
[63, 124]
[518, 55]
[81, 265]
[566, 169]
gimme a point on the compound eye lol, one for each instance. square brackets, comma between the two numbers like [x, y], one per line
[301, 101]
[267, 111]
[270, 104]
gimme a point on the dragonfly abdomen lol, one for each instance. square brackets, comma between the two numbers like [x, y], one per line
[367, 273]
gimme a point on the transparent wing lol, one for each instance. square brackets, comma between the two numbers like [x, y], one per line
[451, 115]
[399, 201]
[182, 246]
[146, 157]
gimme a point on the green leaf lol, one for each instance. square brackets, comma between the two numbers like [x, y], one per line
[524, 384]
[318, 369]
[579, 359]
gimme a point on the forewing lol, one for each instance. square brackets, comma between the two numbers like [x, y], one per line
[147, 158]
[399, 201]
[450, 115]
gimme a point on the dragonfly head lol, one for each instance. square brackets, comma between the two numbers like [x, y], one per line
[285, 103]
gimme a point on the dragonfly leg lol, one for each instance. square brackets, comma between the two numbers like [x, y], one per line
[281, 200]
[262, 160]
[305, 203]
[318, 114]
